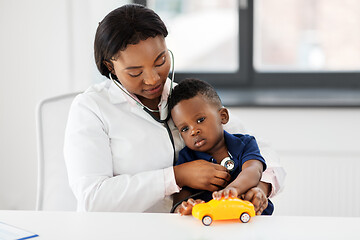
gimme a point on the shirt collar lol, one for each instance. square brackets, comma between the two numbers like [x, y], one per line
[232, 144]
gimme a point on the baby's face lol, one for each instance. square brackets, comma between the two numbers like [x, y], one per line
[199, 122]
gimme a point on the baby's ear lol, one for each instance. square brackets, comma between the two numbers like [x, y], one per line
[224, 115]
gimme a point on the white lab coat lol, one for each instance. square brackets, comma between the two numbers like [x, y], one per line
[120, 159]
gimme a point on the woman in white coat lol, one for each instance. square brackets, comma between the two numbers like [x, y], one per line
[120, 145]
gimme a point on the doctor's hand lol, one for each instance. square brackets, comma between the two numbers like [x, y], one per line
[258, 198]
[202, 175]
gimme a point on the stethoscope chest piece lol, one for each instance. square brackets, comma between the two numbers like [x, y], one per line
[228, 163]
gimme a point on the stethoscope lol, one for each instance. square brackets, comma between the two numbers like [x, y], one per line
[228, 163]
[151, 111]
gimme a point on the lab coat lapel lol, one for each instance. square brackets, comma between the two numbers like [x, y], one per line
[116, 95]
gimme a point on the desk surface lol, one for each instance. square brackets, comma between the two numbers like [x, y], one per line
[73, 225]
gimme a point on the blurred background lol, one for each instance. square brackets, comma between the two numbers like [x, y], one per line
[289, 69]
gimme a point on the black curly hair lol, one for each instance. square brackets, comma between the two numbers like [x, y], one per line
[191, 87]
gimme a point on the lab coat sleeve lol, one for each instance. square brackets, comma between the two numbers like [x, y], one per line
[88, 159]
[274, 173]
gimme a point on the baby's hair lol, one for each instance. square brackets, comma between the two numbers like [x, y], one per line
[191, 87]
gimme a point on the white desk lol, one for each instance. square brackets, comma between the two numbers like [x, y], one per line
[103, 226]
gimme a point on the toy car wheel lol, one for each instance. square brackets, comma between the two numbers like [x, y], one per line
[245, 217]
[206, 220]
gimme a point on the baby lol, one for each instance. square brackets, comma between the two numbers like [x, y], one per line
[197, 112]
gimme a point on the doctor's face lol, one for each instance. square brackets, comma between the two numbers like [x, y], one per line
[143, 68]
[200, 124]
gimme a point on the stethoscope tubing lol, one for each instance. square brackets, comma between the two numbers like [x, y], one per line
[150, 111]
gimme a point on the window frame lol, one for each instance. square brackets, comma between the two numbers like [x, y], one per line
[247, 78]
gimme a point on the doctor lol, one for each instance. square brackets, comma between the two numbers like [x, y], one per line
[120, 145]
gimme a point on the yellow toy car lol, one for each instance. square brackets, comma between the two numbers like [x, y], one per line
[230, 208]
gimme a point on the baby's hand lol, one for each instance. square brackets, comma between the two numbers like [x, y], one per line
[226, 193]
[185, 207]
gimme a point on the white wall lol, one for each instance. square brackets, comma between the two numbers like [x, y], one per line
[46, 49]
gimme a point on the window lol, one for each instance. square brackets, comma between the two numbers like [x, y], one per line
[307, 35]
[311, 44]
[259, 46]
[203, 34]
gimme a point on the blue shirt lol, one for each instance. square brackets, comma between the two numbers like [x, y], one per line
[241, 148]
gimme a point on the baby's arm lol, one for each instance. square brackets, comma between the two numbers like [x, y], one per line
[248, 178]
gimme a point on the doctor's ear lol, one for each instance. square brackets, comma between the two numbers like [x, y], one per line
[224, 115]
[109, 66]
